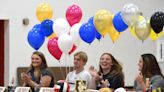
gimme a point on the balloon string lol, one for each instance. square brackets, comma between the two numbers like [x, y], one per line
[103, 43]
[66, 64]
[62, 72]
[69, 65]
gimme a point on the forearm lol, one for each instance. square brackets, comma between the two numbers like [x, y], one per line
[32, 84]
[92, 84]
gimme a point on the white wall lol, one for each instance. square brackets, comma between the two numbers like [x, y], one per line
[126, 49]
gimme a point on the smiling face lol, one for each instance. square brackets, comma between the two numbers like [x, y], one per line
[36, 61]
[106, 62]
[140, 64]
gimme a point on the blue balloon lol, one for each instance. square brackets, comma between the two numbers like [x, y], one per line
[35, 37]
[91, 20]
[118, 22]
[46, 27]
[98, 35]
[87, 32]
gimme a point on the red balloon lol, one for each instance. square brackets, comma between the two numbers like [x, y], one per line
[73, 14]
[73, 49]
[53, 48]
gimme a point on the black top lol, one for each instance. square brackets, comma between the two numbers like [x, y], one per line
[44, 72]
[115, 81]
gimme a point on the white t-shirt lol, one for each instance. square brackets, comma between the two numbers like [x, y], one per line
[72, 77]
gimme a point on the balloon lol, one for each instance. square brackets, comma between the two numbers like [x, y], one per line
[102, 21]
[120, 90]
[98, 35]
[61, 26]
[74, 32]
[53, 48]
[44, 11]
[73, 49]
[142, 29]
[65, 43]
[35, 37]
[87, 33]
[73, 14]
[118, 22]
[52, 36]
[157, 21]
[132, 31]
[154, 36]
[46, 27]
[105, 90]
[114, 35]
[130, 13]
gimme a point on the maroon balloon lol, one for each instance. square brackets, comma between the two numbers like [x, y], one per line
[53, 48]
[73, 49]
[73, 14]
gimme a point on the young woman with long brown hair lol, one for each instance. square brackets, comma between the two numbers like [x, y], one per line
[150, 71]
[38, 75]
[110, 72]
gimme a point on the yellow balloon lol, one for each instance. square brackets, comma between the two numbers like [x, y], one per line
[105, 90]
[142, 29]
[153, 36]
[52, 36]
[114, 35]
[132, 31]
[102, 21]
[44, 11]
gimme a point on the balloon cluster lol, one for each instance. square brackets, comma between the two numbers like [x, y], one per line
[130, 17]
[63, 34]
[66, 34]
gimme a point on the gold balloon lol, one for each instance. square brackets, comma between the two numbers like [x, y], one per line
[132, 31]
[52, 36]
[114, 35]
[102, 21]
[44, 11]
[105, 90]
[142, 29]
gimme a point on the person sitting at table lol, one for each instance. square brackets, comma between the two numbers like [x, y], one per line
[110, 72]
[38, 75]
[150, 75]
[80, 60]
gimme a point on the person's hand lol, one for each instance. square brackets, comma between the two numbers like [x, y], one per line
[25, 78]
[139, 78]
[94, 73]
[105, 83]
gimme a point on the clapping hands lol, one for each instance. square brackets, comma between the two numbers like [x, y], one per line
[95, 74]
[25, 78]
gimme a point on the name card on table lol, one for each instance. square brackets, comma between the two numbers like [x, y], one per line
[2, 89]
[46, 89]
[22, 89]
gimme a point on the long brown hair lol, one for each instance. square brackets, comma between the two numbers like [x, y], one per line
[116, 67]
[44, 62]
[150, 66]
